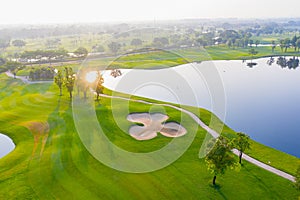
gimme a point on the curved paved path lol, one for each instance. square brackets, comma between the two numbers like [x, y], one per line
[215, 135]
[196, 119]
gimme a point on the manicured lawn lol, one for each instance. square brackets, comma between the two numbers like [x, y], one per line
[57, 165]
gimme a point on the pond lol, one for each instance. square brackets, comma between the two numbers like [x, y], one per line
[262, 101]
[6, 145]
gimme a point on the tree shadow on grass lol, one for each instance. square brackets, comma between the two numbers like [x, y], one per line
[218, 188]
[259, 179]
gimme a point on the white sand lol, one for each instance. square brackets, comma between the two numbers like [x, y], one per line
[153, 123]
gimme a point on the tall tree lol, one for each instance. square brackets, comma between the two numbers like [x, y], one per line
[19, 43]
[229, 43]
[273, 46]
[81, 51]
[4, 43]
[257, 42]
[2, 61]
[59, 80]
[69, 80]
[293, 42]
[251, 43]
[242, 143]
[252, 52]
[282, 44]
[298, 44]
[99, 85]
[160, 42]
[114, 47]
[287, 44]
[136, 42]
[220, 158]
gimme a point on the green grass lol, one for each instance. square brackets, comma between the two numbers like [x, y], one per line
[66, 170]
[170, 58]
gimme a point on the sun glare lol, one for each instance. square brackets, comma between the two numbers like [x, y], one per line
[91, 76]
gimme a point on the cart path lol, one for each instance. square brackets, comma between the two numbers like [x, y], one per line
[215, 135]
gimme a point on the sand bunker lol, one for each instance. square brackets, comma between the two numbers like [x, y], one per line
[153, 124]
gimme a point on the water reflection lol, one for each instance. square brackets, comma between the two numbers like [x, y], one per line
[291, 63]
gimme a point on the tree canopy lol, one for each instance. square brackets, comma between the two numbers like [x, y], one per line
[220, 157]
[19, 43]
[242, 143]
[81, 51]
[114, 47]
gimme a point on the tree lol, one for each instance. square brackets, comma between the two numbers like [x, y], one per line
[220, 157]
[114, 47]
[297, 183]
[81, 51]
[2, 61]
[251, 43]
[252, 52]
[202, 41]
[53, 43]
[69, 80]
[160, 41]
[229, 43]
[287, 44]
[4, 43]
[242, 143]
[59, 80]
[19, 43]
[298, 44]
[98, 48]
[282, 44]
[273, 46]
[293, 42]
[13, 67]
[136, 42]
[99, 85]
[257, 43]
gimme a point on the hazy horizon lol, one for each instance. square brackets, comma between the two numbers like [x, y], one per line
[92, 11]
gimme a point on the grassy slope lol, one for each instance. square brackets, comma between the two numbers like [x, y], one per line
[65, 170]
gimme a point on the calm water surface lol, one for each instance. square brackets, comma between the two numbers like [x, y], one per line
[263, 101]
[6, 145]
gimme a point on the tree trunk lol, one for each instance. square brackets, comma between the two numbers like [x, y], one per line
[241, 154]
[97, 96]
[214, 180]
[60, 92]
[70, 95]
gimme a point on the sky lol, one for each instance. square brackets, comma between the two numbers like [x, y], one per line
[70, 11]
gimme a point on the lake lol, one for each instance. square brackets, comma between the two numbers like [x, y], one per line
[6, 145]
[263, 101]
